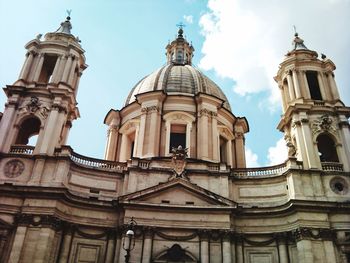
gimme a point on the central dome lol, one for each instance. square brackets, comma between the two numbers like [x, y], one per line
[176, 79]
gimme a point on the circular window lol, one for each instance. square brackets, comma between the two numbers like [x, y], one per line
[339, 185]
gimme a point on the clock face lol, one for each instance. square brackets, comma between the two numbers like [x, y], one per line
[13, 168]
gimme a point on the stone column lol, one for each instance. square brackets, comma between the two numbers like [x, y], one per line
[306, 84]
[52, 129]
[203, 134]
[6, 125]
[66, 246]
[72, 71]
[215, 137]
[65, 132]
[141, 135]
[76, 84]
[188, 139]
[27, 64]
[239, 249]
[63, 62]
[39, 67]
[67, 67]
[305, 253]
[333, 86]
[123, 148]
[147, 246]
[153, 132]
[118, 247]
[17, 244]
[282, 248]
[290, 85]
[309, 145]
[329, 251]
[44, 245]
[229, 153]
[233, 251]
[296, 84]
[323, 91]
[55, 72]
[204, 243]
[112, 143]
[345, 137]
[110, 247]
[226, 248]
[284, 105]
[240, 150]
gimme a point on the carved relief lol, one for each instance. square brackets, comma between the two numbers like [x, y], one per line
[291, 147]
[207, 113]
[34, 106]
[179, 156]
[323, 124]
[13, 168]
[150, 109]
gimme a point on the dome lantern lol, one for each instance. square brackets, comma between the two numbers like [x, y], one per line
[179, 51]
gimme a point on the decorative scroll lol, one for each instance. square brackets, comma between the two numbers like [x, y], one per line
[313, 233]
[150, 109]
[323, 124]
[207, 113]
[34, 106]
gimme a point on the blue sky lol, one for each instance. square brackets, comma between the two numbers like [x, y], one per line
[238, 45]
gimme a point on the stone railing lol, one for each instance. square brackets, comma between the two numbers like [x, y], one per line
[97, 163]
[331, 167]
[261, 171]
[22, 149]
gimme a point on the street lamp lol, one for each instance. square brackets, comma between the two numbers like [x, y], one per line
[129, 239]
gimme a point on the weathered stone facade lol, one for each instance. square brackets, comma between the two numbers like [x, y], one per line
[195, 203]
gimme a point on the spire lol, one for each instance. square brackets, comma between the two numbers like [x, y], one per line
[66, 26]
[298, 43]
[179, 51]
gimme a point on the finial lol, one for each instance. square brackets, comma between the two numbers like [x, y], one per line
[68, 13]
[181, 31]
[295, 31]
[298, 43]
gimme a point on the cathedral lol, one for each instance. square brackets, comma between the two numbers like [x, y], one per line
[173, 185]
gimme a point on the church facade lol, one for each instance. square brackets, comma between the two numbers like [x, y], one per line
[173, 186]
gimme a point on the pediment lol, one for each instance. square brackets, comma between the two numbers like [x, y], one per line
[177, 192]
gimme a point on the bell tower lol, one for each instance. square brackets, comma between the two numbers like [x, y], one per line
[315, 120]
[42, 102]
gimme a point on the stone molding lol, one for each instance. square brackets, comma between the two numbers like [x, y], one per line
[150, 109]
[207, 113]
[313, 233]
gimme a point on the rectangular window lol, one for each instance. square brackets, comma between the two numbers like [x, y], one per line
[177, 136]
[314, 87]
[223, 145]
[47, 68]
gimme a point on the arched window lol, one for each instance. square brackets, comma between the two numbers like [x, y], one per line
[327, 149]
[28, 131]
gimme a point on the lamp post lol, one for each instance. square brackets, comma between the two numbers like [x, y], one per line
[129, 239]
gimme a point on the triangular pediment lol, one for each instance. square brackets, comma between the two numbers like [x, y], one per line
[177, 192]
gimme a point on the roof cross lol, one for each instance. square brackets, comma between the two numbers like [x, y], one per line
[180, 25]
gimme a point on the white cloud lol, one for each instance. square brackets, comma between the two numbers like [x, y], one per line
[246, 40]
[188, 19]
[278, 154]
[251, 158]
